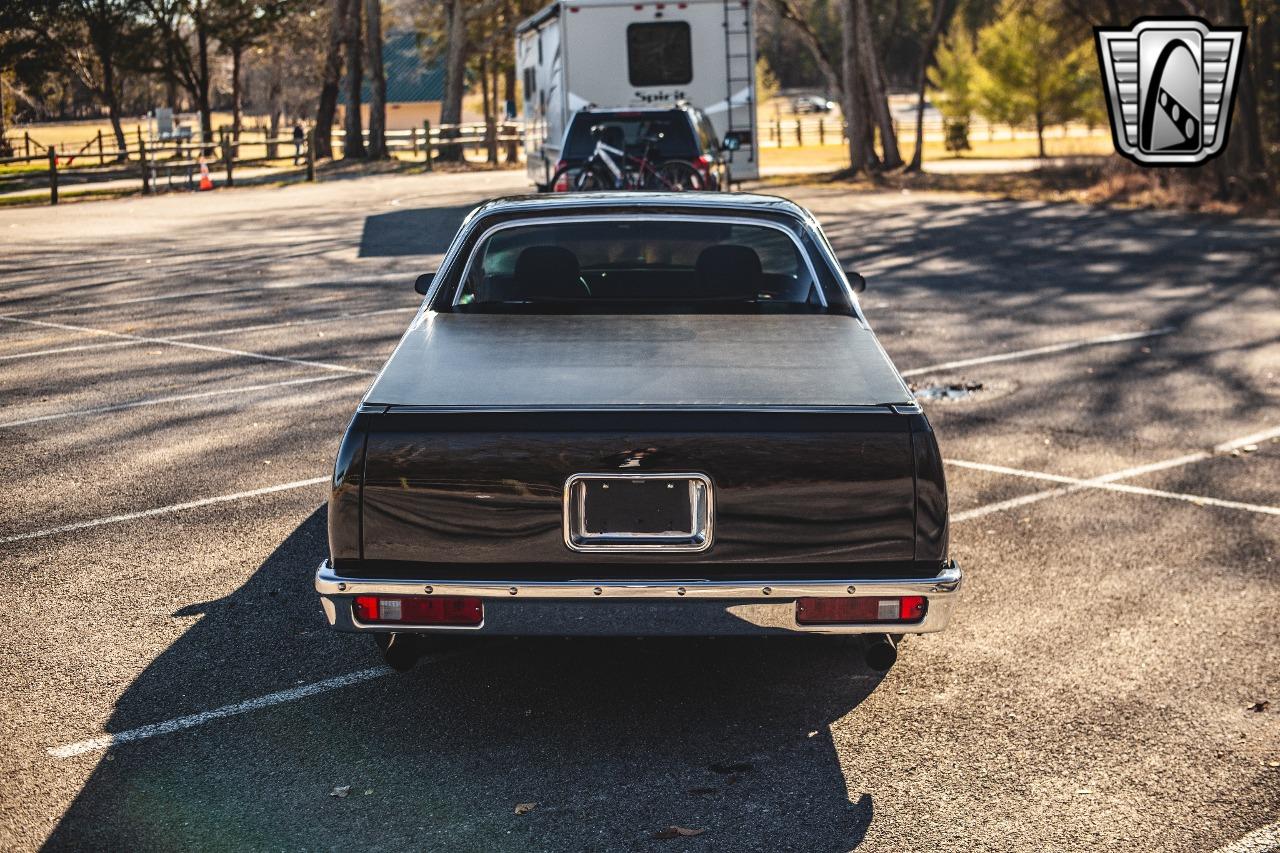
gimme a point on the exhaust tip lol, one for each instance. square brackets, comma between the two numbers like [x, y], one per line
[880, 652]
[400, 651]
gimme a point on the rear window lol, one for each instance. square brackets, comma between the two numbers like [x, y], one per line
[659, 54]
[670, 131]
[614, 266]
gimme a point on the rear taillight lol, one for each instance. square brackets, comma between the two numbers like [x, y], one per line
[562, 185]
[418, 610]
[830, 611]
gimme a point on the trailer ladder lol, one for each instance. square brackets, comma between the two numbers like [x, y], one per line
[739, 60]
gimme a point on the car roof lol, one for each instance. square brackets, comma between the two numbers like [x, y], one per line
[642, 201]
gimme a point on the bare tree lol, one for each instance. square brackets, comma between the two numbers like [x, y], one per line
[377, 81]
[857, 131]
[185, 32]
[787, 11]
[942, 13]
[330, 78]
[239, 25]
[873, 80]
[353, 48]
[455, 72]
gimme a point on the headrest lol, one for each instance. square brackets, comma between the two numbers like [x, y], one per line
[609, 134]
[550, 271]
[728, 270]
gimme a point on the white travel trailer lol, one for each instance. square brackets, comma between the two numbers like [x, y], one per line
[607, 53]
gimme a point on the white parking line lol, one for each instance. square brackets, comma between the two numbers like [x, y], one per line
[187, 344]
[1199, 500]
[209, 333]
[1265, 839]
[98, 744]
[175, 398]
[1046, 350]
[90, 306]
[162, 510]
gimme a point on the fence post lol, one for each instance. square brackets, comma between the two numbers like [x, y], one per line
[799, 133]
[777, 131]
[822, 131]
[426, 141]
[53, 175]
[228, 156]
[413, 141]
[101, 161]
[311, 155]
[146, 169]
[27, 143]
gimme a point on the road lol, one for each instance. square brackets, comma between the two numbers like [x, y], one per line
[176, 372]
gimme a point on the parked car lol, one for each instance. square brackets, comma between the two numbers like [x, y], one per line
[641, 414]
[665, 134]
[812, 104]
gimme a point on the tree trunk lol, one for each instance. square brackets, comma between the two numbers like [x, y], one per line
[237, 95]
[111, 94]
[873, 78]
[330, 78]
[377, 81]
[6, 150]
[510, 86]
[942, 10]
[1245, 149]
[202, 88]
[855, 112]
[275, 101]
[352, 121]
[1040, 132]
[455, 71]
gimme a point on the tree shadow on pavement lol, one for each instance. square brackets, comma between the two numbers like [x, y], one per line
[614, 740]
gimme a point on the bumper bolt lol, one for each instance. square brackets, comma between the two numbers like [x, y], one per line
[849, 590]
[429, 590]
[342, 587]
[768, 590]
[597, 591]
[680, 591]
[512, 590]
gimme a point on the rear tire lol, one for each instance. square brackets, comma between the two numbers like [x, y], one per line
[676, 176]
[581, 179]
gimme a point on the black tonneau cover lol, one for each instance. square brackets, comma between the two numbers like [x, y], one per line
[492, 361]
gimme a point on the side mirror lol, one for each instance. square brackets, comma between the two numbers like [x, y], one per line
[856, 281]
[423, 283]
[731, 143]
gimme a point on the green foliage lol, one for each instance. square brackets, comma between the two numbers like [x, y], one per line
[958, 136]
[766, 82]
[953, 78]
[1032, 71]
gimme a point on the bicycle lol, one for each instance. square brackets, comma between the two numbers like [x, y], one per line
[601, 171]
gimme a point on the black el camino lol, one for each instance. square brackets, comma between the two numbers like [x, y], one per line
[639, 414]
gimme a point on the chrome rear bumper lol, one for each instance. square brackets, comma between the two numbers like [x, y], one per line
[643, 608]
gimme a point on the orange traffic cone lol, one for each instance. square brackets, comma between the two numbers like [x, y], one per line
[206, 182]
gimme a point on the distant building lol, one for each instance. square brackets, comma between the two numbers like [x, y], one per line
[415, 87]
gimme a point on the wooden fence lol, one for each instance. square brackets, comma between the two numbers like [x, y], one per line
[175, 164]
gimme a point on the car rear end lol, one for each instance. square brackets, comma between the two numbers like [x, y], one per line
[676, 134]
[681, 523]
[548, 453]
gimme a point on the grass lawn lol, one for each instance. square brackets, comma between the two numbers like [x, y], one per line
[836, 156]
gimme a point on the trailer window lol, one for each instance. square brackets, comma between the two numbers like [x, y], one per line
[659, 54]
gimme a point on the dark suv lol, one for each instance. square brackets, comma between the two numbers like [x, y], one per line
[676, 133]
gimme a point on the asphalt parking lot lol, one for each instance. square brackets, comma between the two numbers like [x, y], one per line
[175, 374]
